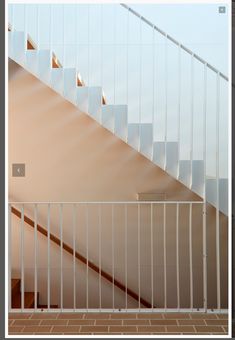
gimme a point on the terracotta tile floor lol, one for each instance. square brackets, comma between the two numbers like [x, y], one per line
[118, 323]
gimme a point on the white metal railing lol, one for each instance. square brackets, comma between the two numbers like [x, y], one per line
[139, 256]
[177, 102]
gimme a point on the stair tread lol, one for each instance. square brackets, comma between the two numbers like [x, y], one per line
[14, 283]
[45, 306]
[28, 300]
[15, 287]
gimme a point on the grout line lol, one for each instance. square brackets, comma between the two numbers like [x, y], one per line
[225, 331]
[22, 329]
[195, 331]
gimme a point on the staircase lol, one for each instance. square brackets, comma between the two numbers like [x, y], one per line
[29, 297]
[192, 172]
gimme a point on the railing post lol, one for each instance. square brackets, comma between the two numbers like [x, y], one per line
[204, 237]
[9, 257]
[205, 126]
[217, 192]
[35, 256]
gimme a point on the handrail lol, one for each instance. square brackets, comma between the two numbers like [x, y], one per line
[82, 259]
[174, 41]
[112, 202]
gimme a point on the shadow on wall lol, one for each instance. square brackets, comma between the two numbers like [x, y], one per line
[70, 157]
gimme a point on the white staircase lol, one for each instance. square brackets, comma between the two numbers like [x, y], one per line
[115, 118]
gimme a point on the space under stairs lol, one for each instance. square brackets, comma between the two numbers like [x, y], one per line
[201, 168]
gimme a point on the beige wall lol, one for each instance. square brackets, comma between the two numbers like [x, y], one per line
[70, 157]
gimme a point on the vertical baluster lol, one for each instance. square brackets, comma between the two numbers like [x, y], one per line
[115, 52]
[166, 102]
[9, 258]
[205, 194]
[179, 106]
[50, 32]
[35, 256]
[217, 192]
[151, 245]
[76, 39]
[87, 253]
[177, 256]
[126, 253]
[88, 51]
[204, 257]
[48, 257]
[164, 255]
[74, 254]
[192, 118]
[204, 125]
[112, 256]
[153, 113]
[100, 225]
[139, 254]
[25, 25]
[127, 59]
[63, 39]
[61, 257]
[13, 17]
[101, 49]
[140, 86]
[38, 14]
[22, 257]
[190, 256]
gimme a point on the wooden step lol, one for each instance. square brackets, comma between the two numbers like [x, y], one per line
[15, 287]
[45, 306]
[28, 300]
